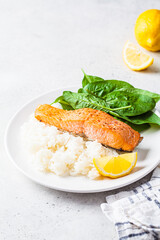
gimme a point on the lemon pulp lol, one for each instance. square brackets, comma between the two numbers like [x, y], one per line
[115, 167]
[134, 58]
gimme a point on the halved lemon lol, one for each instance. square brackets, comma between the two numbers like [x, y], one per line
[134, 58]
[115, 167]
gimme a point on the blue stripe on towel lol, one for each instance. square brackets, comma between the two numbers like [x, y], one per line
[142, 187]
[157, 203]
[133, 235]
[122, 223]
[155, 235]
[149, 185]
[145, 195]
[135, 191]
[151, 226]
[155, 177]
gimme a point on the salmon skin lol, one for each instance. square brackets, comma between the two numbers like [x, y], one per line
[91, 123]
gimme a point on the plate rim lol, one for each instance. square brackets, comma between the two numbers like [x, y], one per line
[104, 189]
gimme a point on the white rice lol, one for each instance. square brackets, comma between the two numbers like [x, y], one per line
[60, 152]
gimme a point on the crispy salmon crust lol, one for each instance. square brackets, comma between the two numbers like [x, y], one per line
[91, 123]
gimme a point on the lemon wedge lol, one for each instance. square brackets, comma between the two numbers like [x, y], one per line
[134, 58]
[115, 167]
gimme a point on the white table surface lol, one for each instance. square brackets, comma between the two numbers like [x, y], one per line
[43, 46]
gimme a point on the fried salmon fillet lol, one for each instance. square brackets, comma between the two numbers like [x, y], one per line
[91, 123]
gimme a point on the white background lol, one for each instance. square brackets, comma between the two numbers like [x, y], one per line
[43, 46]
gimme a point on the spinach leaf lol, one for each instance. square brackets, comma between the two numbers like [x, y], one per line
[148, 117]
[120, 94]
[123, 102]
[102, 88]
[153, 95]
[139, 103]
[80, 90]
[85, 100]
[88, 79]
[65, 105]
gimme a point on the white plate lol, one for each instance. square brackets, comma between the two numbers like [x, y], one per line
[148, 155]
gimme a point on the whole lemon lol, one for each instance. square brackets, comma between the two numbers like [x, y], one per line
[147, 29]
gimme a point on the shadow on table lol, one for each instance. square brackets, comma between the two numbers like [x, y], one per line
[151, 69]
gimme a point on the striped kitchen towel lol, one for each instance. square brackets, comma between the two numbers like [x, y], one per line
[136, 214]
